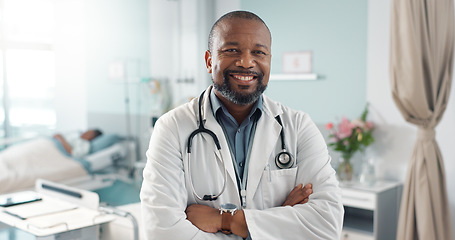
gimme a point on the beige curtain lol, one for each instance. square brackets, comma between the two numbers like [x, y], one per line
[421, 61]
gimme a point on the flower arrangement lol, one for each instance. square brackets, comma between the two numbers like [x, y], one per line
[348, 137]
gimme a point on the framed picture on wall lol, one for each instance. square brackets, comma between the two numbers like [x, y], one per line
[297, 62]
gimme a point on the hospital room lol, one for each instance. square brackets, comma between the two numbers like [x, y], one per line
[104, 132]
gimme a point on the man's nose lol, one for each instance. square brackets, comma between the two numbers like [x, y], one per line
[246, 60]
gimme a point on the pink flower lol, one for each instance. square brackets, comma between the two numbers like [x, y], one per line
[369, 125]
[348, 136]
[344, 128]
[329, 126]
[358, 123]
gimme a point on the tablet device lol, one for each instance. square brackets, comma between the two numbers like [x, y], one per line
[19, 198]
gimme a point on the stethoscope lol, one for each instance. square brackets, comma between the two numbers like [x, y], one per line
[283, 159]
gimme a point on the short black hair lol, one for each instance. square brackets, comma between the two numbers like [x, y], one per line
[233, 15]
[97, 132]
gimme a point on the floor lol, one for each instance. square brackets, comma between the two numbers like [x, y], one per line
[120, 193]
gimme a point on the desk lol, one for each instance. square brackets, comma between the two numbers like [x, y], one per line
[12, 233]
[371, 212]
[62, 213]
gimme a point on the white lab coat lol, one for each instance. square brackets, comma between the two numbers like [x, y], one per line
[166, 192]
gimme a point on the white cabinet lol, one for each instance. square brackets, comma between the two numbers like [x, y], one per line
[371, 212]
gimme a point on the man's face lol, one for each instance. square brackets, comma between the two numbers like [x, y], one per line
[239, 60]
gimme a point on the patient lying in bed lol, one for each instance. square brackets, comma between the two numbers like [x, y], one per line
[21, 164]
[77, 145]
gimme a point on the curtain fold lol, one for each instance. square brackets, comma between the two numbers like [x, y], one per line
[421, 66]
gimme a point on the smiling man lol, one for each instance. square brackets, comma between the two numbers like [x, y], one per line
[235, 164]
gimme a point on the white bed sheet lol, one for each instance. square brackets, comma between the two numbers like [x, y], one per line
[22, 164]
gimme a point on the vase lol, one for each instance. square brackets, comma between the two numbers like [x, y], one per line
[345, 170]
[367, 175]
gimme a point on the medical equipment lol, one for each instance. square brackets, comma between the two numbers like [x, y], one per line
[283, 160]
[202, 129]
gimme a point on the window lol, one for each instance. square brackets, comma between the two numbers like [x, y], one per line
[27, 71]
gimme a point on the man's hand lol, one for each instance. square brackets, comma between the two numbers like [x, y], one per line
[203, 217]
[208, 220]
[299, 195]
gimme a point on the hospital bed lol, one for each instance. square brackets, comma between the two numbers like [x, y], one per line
[23, 163]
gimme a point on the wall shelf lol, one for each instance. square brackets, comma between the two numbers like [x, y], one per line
[293, 77]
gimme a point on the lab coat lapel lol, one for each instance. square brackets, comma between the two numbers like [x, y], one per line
[211, 124]
[264, 143]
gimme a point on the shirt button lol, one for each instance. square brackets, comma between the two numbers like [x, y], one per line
[238, 130]
[241, 164]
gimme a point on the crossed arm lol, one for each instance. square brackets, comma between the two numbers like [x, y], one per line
[208, 219]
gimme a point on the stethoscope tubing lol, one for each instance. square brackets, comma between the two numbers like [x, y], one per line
[201, 129]
[207, 197]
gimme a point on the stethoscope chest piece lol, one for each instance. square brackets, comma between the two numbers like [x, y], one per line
[284, 160]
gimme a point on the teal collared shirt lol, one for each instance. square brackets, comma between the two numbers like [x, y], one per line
[237, 135]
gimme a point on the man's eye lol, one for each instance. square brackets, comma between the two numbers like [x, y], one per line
[231, 50]
[259, 52]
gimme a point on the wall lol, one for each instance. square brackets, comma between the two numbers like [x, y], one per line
[92, 35]
[222, 7]
[71, 97]
[117, 36]
[117, 32]
[335, 32]
[178, 43]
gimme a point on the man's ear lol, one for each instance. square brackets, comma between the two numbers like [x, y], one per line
[208, 61]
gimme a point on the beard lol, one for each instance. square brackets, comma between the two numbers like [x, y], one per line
[236, 97]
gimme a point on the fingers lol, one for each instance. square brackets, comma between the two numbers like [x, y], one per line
[299, 195]
[296, 189]
[304, 201]
[307, 190]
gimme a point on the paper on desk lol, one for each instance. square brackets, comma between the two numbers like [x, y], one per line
[71, 219]
[44, 207]
[55, 216]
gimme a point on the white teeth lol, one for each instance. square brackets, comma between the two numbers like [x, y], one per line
[244, 78]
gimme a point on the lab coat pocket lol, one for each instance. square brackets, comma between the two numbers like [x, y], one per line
[276, 185]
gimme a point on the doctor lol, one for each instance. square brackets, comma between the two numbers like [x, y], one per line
[229, 180]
